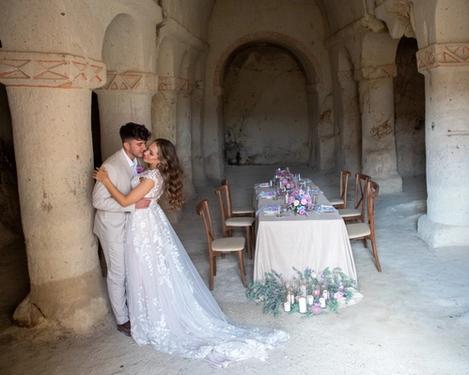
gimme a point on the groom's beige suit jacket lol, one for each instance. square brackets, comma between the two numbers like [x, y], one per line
[110, 216]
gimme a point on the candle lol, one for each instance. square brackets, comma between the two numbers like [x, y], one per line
[322, 302]
[302, 304]
[325, 294]
[286, 198]
[292, 297]
[303, 290]
[309, 299]
[287, 306]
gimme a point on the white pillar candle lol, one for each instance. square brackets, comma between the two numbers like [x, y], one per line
[322, 302]
[292, 298]
[287, 306]
[309, 299]
[302, 304]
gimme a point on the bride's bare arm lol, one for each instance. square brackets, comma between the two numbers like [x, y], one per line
[134, 196]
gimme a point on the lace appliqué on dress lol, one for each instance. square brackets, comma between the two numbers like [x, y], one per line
[170, 306]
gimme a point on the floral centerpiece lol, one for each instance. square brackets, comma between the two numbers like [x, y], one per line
[285, 178]
[299, 202]
[309, 293]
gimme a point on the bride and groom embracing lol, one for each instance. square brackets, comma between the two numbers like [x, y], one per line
[156, 293]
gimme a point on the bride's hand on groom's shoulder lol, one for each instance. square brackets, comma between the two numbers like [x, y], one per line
[100, 174]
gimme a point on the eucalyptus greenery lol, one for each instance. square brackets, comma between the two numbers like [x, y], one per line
[273, 290]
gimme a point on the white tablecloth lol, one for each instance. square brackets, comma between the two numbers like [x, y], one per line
[315, 241]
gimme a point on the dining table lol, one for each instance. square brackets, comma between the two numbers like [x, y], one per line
[287, 242]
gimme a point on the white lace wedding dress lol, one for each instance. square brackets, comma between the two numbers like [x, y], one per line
[169, 305]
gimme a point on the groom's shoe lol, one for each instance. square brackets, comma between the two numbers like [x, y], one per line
[124, 328]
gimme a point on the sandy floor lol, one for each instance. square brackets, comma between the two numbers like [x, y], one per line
[414, 318]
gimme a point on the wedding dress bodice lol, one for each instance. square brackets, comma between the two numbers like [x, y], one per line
[158, 189]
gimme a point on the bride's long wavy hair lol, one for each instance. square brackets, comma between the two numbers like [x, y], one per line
[171, 171]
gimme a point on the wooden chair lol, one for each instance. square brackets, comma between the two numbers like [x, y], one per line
[237, 211]
[220, 246]
[341, 202]
[366, 230]
[357, 213]
[229, 222]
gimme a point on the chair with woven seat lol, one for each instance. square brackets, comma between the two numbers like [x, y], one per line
[229, 222]
[237, 211]
[341, 202]
[366, 231]
[357, 213]
[220, 246]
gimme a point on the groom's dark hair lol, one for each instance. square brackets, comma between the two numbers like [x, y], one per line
[131, 130]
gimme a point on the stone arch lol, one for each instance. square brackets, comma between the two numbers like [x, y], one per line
[123, 45]
[298, 49]
[240, 139]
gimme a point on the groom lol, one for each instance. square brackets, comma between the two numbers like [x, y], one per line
[110, 217]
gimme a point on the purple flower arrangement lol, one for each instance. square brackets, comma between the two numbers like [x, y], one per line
[285, 179]
[299, 202]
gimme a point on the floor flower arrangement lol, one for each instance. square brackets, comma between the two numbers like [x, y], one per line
[308, 293]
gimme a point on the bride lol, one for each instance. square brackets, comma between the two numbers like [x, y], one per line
[170, 307]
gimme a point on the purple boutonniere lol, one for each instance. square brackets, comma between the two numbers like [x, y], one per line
[140, 168]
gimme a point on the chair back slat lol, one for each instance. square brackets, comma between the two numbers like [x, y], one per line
[344, 176]
[204, 211]
[361, 186]
[224, 199]
[372, 191]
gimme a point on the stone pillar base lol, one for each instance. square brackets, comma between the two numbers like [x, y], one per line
[442, 235]
[389, 185]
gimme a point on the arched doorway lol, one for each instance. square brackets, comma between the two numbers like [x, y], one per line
[409, 99]
[265, 107]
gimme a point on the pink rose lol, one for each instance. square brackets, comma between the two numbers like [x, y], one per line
[316, 309]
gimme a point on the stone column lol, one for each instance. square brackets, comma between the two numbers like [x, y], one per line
[198, 171]
[350, 132]
[379, 158]
[446, 70]
[50, 102]
[127, 96]
[173, 122]
[184, 139]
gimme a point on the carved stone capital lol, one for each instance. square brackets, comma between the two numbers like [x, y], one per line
[172, 83]
[131, 81]
[54, 70]
[377, 72]
[443, 55]
[397, 16]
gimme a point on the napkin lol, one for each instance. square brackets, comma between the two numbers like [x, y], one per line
[269, 210]
[324, 208]
[266, 195]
